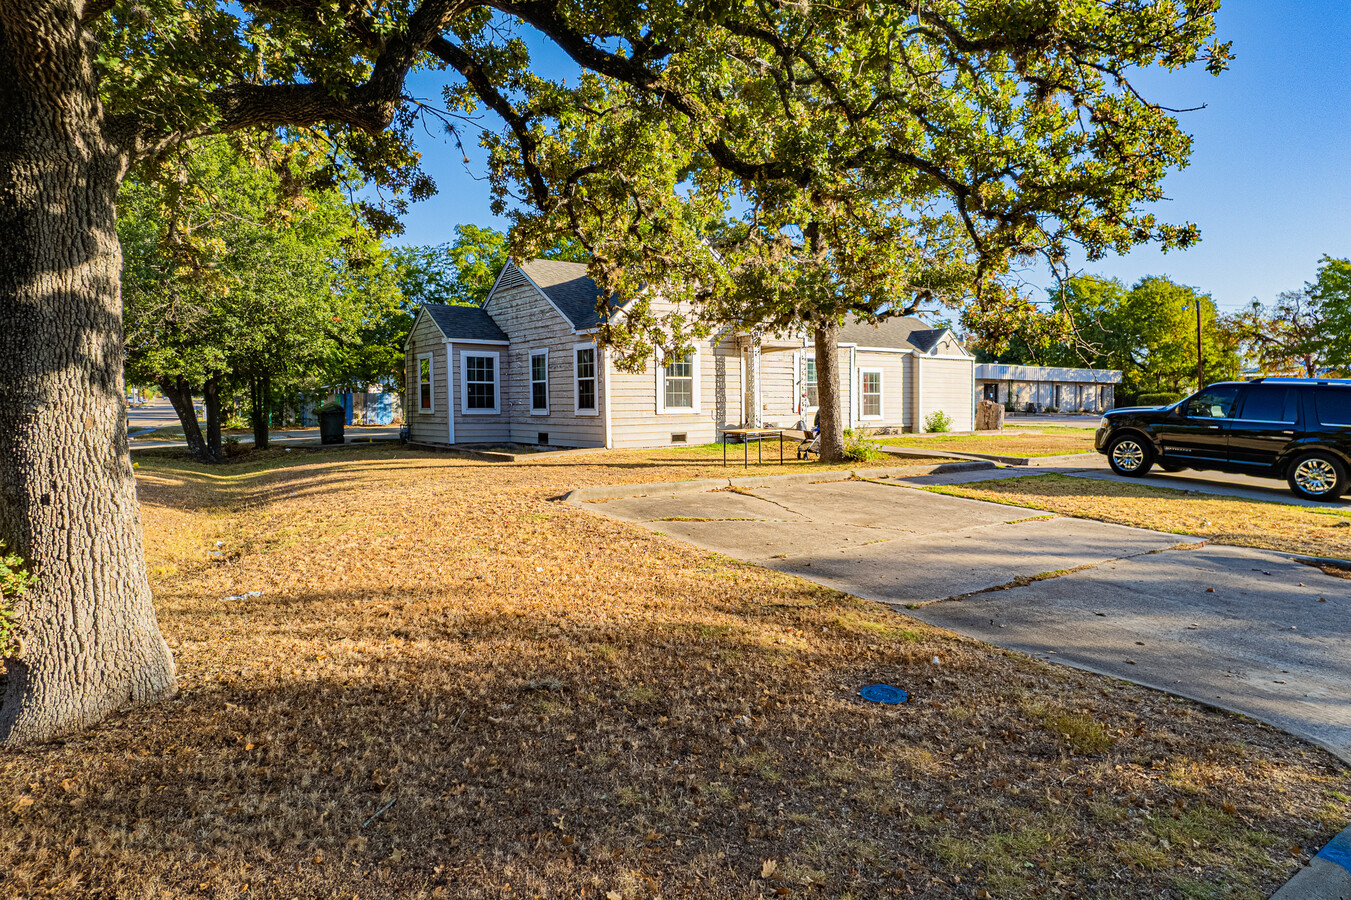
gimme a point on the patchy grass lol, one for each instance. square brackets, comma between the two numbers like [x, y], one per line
[1047, 441]
[454, 686]
[1224, 520]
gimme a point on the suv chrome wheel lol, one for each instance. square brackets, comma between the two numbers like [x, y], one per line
[1318, 476]
[1128, 455]
[1315, 476]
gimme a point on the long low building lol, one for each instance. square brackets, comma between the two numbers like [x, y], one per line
[1047, 388]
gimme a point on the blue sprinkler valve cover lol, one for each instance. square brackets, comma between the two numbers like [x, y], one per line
[883, 693]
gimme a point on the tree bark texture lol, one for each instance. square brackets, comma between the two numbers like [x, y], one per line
[826, 336]
[211, 403]
[89, 640]
[179, 392]
[260, 408]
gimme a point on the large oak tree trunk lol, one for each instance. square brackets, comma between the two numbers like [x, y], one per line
[826, 337]
[89, 640]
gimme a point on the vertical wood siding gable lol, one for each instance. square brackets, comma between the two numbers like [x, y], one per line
[532, 323]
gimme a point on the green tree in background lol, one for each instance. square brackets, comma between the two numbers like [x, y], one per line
[1331, 292]
[1283, 339]
[240, 274]
[1147, 331]
[1306, 332]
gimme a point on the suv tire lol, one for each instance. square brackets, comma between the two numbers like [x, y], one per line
[1130, 455]
[1317, 476]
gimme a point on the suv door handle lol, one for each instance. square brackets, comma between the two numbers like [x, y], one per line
[1213, 427]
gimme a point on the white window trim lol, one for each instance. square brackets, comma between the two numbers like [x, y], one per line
[431, 381]
[530, 372]
[464, 383]
[881, 395]
[576, 382]
[661, 387]
[807, 407]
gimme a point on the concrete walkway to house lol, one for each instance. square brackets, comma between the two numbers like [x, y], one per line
[1242, 629]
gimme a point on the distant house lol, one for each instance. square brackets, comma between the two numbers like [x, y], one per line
[524, 368]
[1042, 388]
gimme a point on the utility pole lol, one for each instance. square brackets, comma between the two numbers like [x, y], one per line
[1200, 382]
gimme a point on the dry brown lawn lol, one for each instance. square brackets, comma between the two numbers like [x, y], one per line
[1049, 441]
[455, 686]
[1314, 531]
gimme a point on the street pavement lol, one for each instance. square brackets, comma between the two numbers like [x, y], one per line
[1246, 630]
[159, 413]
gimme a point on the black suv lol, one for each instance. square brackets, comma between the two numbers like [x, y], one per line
[1298, 429]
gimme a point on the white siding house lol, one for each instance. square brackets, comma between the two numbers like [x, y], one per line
[524, 368]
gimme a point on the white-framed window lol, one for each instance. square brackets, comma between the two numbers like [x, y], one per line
[678, 383]
[584, 380]
[870, 394]
[479, 378]
[426, 394]
[539, 382]
[813, 399]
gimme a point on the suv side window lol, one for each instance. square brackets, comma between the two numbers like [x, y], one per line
[1333, 405]
[1269, 403]
[1212, 403]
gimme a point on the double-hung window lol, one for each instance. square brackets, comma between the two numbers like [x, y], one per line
[678, 383]
[480, 382]
[813, 399]
[426, 399]
[584, 378]
[539, 382]
[870, 391]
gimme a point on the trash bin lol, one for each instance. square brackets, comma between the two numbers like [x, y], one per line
[332, 418]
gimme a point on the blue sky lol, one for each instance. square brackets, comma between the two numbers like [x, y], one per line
[1269, 182]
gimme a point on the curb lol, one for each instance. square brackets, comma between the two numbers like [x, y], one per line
[582, 495]
[1032, 461]
[1327, 877]
[1323, 561]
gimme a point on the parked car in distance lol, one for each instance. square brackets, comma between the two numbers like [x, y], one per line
[1298, 429]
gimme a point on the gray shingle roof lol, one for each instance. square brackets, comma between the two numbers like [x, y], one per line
[570, 289]
[903, 332]
[464, 323]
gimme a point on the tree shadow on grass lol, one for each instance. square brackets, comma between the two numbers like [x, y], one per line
[673, 757]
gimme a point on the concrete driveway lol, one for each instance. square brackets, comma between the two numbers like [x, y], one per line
[1243, 629]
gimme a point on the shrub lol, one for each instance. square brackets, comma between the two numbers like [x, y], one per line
[231, 447]
[14, 580]
[938, 421]
[1166, 398]
[857, 447]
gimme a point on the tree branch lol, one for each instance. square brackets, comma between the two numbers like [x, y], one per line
[459, 58]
